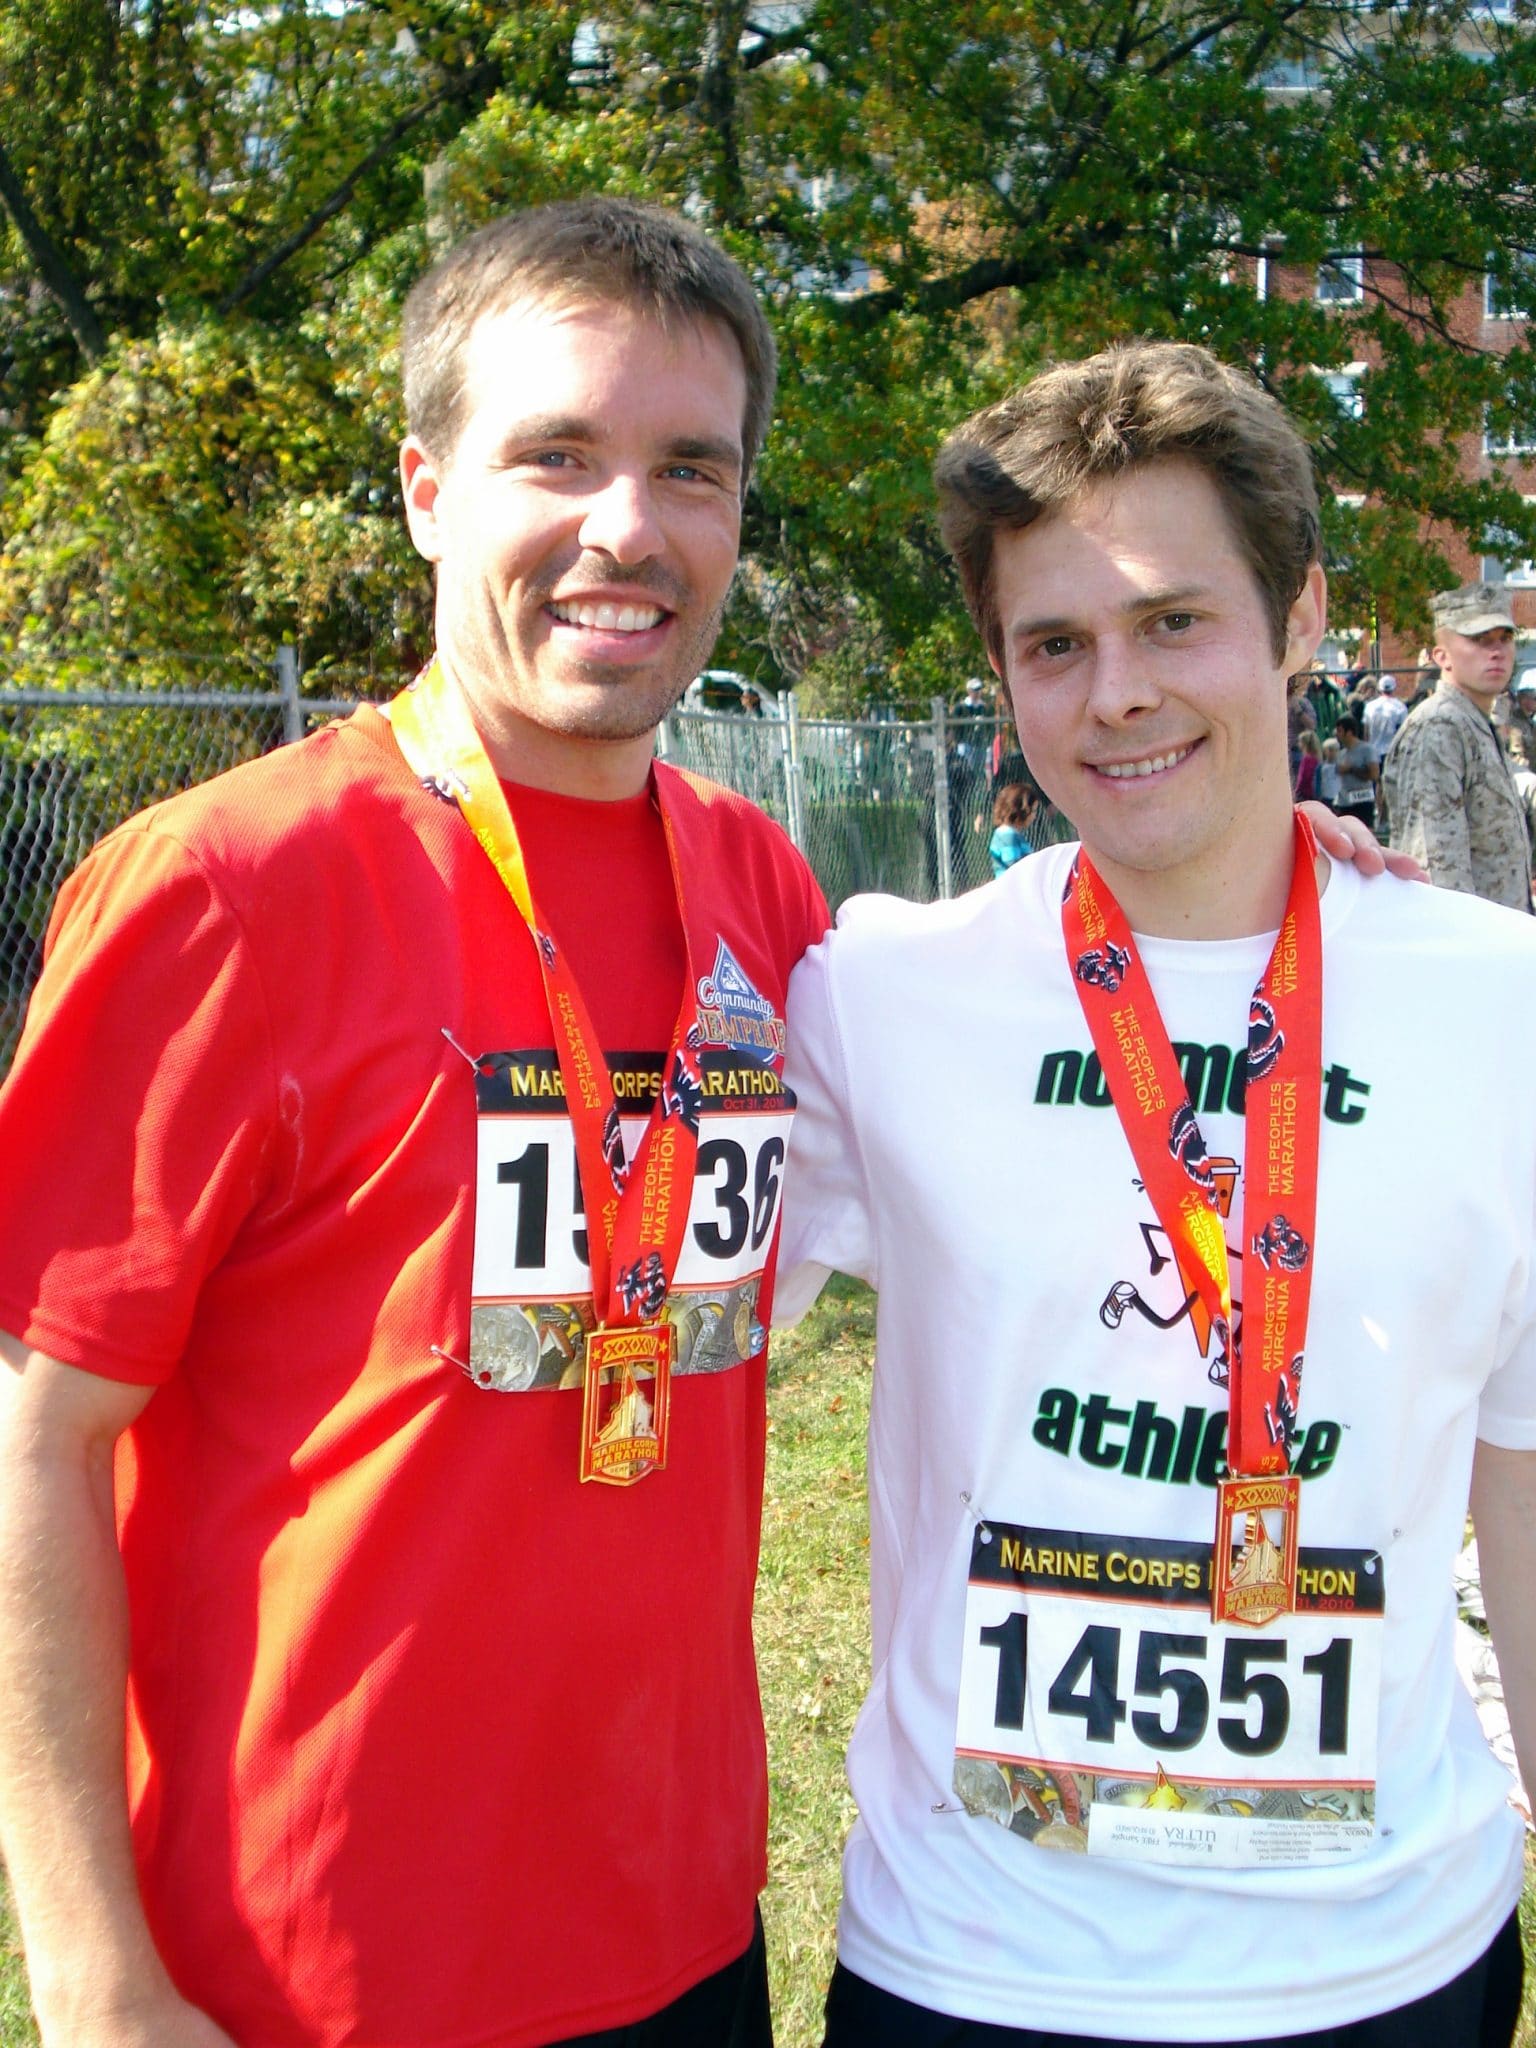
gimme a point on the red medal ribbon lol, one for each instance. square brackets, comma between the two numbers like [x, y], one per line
[636, 1209]
[1262, 1363]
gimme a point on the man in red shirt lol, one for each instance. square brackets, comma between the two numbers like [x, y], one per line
[367, 1197]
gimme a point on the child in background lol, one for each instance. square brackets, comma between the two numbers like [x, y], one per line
[1011, 812]
[1327, 791]
[1306, 769]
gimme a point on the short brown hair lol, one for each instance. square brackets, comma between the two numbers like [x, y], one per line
[598, 250]
[1078, 424]
[1014, 803]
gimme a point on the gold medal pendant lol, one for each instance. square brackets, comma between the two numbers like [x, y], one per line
[1254, 1574]
[626, 1395]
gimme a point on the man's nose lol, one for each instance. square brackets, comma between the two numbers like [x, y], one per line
[620, 519]
[1122, 682]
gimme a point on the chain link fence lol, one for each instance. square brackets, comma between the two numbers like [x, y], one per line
[898, 805]
[884, 804]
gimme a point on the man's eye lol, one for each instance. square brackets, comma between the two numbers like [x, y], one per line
[1178, 622]
[551, 458]
[1058, 644]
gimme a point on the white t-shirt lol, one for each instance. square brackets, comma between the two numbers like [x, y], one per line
[1041, 1385]
[1383, 715]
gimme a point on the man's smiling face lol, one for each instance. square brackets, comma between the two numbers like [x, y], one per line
[585, 525]
[1148, 696]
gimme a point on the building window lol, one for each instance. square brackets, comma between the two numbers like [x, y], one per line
[1509, 300]
[1346, 385]
[1301, 72]
[1341, 281]
[1519, 439]
[1503, 564]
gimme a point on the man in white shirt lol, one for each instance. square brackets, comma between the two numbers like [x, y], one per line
[1383, 715]
[1168, 1466]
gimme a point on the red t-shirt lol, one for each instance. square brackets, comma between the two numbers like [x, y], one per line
[430, 1744]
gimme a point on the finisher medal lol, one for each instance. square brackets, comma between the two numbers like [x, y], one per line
[1254, 1568]
[624, 1403]
[1253, 1575]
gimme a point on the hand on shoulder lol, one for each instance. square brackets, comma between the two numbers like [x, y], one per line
[1349, 839]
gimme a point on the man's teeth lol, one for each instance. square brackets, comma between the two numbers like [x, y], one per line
[610, 618]
[1121, 769]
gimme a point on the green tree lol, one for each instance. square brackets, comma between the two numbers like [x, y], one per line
[933, 198]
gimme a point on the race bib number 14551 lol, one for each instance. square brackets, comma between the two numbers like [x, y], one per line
[1102, 1710]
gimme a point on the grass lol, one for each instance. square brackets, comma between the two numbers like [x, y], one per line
[812, 1636]
[15, 2018]
[813, 1653]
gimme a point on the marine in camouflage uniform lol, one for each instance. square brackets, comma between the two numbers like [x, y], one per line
[1450, 789]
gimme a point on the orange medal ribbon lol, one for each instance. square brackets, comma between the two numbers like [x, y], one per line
[1254, 1575]
[636, 1209]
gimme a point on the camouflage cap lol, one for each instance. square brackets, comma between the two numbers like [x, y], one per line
[1475, 608]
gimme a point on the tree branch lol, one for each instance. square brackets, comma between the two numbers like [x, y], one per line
[461, 88]
[947, 294]
[716, 103]
[52, 266]
[771, 43]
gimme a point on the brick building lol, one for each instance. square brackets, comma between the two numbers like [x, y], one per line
[1486, 320]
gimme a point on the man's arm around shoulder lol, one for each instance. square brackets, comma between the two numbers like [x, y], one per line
[97, 1980]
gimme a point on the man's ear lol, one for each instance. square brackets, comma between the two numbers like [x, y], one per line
[419, 486]
[1306, 620]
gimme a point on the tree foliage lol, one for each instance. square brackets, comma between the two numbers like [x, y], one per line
[210, 218]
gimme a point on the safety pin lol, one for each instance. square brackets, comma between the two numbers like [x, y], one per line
[969, 1506]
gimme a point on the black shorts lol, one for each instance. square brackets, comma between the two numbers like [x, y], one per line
[1478, 2009]
[727, 2010]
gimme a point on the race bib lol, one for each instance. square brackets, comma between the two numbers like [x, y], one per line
[1101, 1709]
[531, 1282]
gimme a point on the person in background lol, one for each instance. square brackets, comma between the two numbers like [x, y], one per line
[1012, 809]
[1327, 790]
[1517, 734]
[1383, 715]
[1361, 696]
[1326, 699]
[1449, 784]
[1306, 773]
[1358, 771]
[1514, 718]
[1299, 718]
